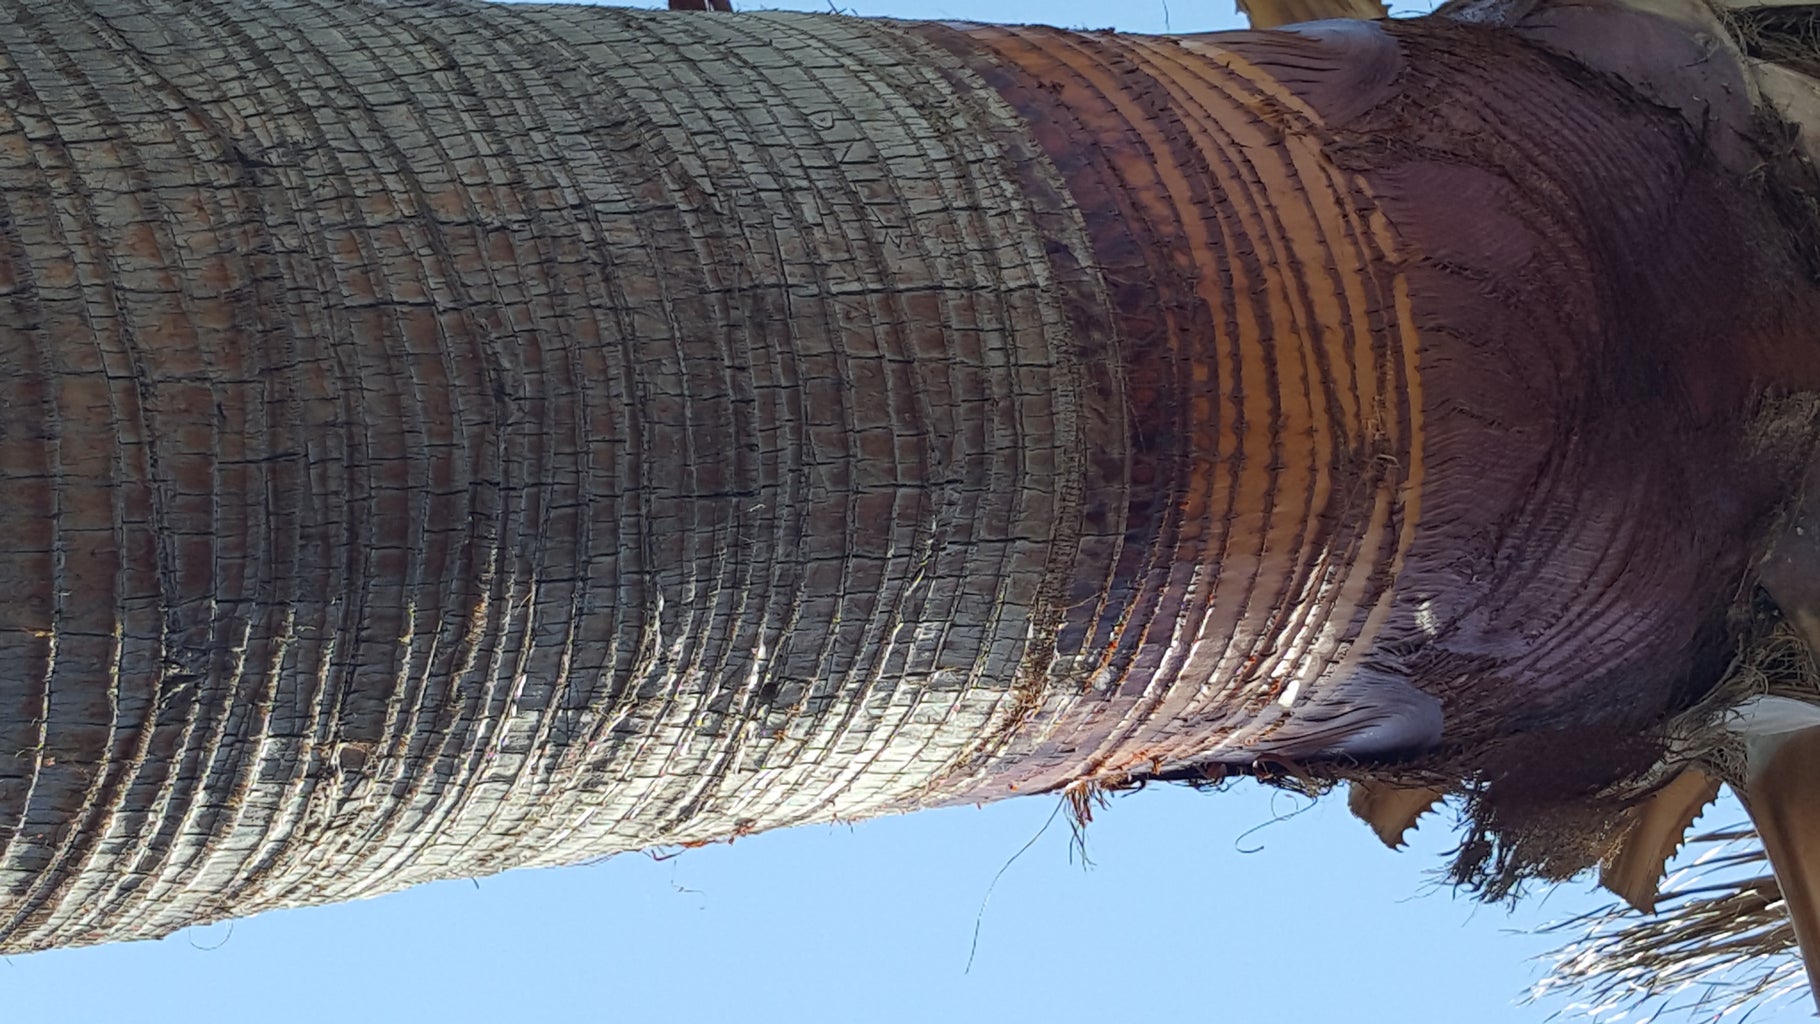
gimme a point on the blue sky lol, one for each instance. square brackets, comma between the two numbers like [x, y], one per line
[1223, 907]
[1240, 906]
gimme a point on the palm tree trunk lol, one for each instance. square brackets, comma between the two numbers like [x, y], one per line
[442, 437]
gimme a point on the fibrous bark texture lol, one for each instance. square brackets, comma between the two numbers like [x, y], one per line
[440, 437]
[445, 438]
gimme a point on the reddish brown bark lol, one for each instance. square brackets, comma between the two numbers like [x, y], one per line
[1603, 311]
[1273, 464]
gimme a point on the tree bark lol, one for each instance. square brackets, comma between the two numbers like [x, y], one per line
[442, 437]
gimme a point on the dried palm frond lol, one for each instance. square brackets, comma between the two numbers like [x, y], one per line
[1719, 944]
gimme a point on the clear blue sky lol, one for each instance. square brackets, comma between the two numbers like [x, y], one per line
[1184, 917]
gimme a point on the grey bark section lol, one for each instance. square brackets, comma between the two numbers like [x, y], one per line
[438, 438]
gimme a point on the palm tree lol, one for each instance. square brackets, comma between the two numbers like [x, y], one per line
[446, 441]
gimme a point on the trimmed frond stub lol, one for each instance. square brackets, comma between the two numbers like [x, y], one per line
[1275, 13]
[1783, 755]
[1391, 811]
[1636, 867]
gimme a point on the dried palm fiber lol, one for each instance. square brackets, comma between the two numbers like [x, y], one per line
[1788, 35]
[1719, 943]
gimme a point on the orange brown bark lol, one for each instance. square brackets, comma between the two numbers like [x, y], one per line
[1265, 343]
[1529, 478]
